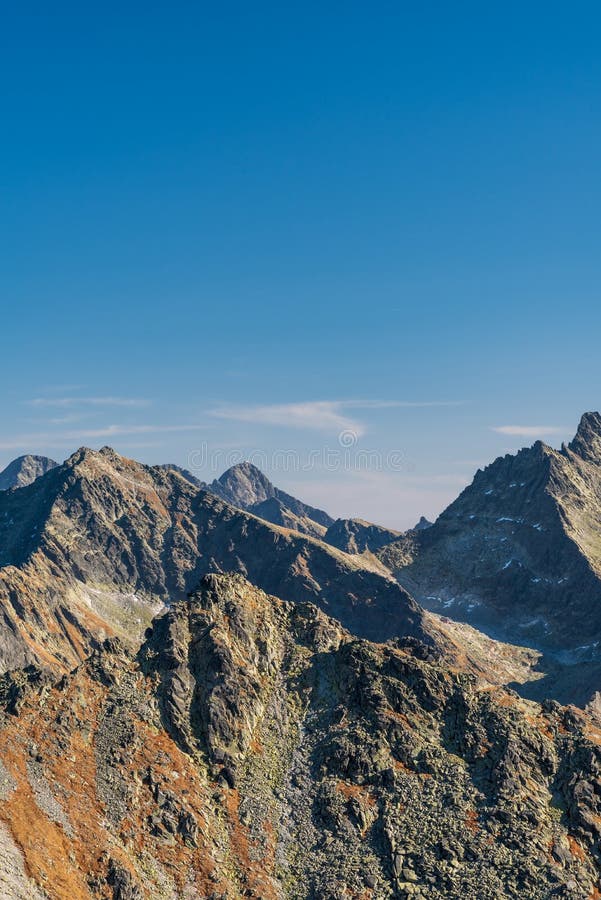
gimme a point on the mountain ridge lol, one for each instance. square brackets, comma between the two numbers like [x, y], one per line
[98, 544]
[528, 527]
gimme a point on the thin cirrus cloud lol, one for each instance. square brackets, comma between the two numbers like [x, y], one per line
[111, 430]
[529, 430]
[68, 402]
[322, 415]
[317, 415]
[66, 438]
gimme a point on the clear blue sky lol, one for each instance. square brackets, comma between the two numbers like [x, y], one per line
[252, 226]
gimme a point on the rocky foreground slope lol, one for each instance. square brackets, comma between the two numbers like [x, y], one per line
[97, 545]
[519, 551]
[255, 748]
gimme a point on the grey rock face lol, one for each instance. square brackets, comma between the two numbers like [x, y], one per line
[587, 442]
[22, 471]
[185, 473]
[392, 774]
[519, 551]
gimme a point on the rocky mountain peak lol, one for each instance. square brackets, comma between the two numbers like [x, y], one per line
[24, 470]
[247, 487]
[185, 473]
[422, 524]
[587, 442]
[519, 550]
[243, 485]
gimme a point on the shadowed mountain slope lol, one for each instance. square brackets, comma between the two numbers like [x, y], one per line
[519, 551]
[357, 536]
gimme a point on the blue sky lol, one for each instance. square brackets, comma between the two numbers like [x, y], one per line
[248, 229]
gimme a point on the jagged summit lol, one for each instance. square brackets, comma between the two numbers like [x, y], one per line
[587, 442]
[185, 473]
[423, 523]
[243, 485]
[23, 470]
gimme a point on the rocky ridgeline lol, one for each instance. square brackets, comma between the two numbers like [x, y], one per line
[99, 543]
[255, 748]
[358, 536]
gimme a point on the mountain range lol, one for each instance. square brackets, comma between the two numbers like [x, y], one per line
[219, 691]
[98, 544]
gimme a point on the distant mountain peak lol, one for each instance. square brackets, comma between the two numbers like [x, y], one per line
[25, 469]
[422, 524]
[247, 487]
[244, 484]
[357, 536]
[587, 442]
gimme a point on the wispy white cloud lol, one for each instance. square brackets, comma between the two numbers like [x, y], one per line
[68, 402]
[317, 415]
[67, 419]
[398, 404]
[112, 430]
[36, 440]
[320, 415]
[529, 430]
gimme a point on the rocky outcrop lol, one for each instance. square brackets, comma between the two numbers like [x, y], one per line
[24, 470]
[275, 511]
[255, 748]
